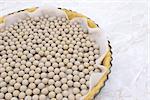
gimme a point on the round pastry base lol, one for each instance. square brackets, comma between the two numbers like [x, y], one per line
[106, 61]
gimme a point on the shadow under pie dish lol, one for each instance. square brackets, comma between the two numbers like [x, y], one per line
[52, 53]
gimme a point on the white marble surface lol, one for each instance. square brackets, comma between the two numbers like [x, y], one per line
[126, 24]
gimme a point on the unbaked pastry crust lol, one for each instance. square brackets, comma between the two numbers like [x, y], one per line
[106, 61]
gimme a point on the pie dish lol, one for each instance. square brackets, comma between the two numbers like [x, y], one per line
[96, 81]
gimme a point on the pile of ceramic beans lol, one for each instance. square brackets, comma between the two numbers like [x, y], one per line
[44, 58]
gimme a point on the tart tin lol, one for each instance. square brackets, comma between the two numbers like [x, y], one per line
[107, 60]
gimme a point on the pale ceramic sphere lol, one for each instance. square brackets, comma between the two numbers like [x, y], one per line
[51, 94]
[2, 95]
[16, 93]
[65, 93]
[29, 91]
[42, 97]
[63, 80]
[8, 96]
[64, 86]
[51, 87]
[32, 85]
[23, 88]
[35, 97]
[71, 97]
[78, 96]
[70, 83]
[59, 96]
[57, 90]
[41, 86]
[22, 95]
[36, 91]
[76, 90]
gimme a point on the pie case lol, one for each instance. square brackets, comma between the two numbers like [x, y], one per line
[97, 80]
